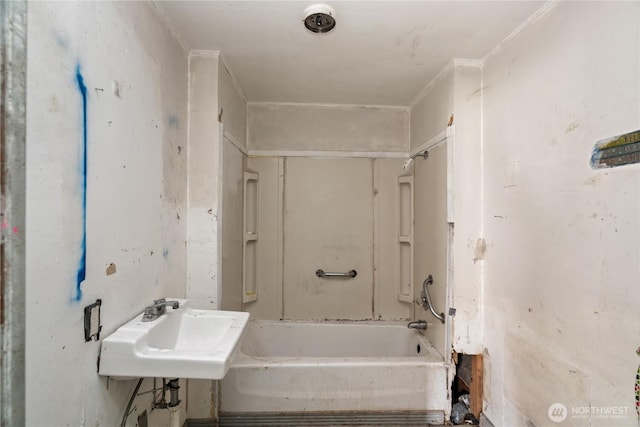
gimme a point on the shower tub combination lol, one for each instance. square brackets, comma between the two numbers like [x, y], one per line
[335, 367]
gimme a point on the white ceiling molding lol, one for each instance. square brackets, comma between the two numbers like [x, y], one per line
[329, 154]
[311, 104]
[234, 80]
[470, 63]
[172, 28]
[478, 63]
[533, 18]
[444, 72]
[205, 53]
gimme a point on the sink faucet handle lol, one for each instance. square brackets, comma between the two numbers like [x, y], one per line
[174, 304]
[162, 302]
[158, 308]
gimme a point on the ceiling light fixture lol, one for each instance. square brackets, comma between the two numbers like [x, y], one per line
[319, 18]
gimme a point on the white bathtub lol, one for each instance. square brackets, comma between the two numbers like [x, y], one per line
[333, 367]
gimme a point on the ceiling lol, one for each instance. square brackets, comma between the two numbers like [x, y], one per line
[380, 52]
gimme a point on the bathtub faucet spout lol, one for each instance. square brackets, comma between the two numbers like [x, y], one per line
[418, 324]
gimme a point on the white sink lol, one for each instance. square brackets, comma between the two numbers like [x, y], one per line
[182, 343]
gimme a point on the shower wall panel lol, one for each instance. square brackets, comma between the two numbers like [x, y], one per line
[328, 224]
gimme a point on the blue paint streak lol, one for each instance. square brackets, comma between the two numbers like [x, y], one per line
[82, 267]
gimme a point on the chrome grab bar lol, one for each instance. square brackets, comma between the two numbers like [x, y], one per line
[426, 299]
[350, 274]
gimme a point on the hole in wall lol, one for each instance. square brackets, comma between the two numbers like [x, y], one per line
[466, 389]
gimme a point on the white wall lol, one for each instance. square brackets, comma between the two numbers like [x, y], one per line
[204, 235]
[468, 244]
[135, 75]
[456, 90]
[216, 107]
[232, 106]
[304, 127]
[563, 240]
[205, 160]
[432, 108]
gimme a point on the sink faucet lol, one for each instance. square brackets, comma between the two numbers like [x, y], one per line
[158, 308]
[418, 324]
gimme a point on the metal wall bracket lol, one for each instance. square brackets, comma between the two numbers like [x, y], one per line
[92, 324]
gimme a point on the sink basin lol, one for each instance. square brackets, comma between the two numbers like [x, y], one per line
[182, 343]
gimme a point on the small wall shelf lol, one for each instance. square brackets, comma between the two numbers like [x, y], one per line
[250, 275]
[405, 222]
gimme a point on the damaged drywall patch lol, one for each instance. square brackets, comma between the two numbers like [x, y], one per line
[111, 269]
[480, 251]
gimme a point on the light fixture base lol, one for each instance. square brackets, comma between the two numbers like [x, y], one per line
[319, 18]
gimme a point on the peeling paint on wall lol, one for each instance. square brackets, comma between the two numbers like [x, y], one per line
[82, 265]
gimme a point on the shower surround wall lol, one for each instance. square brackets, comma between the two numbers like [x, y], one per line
[328, 223]
[431, 240]
[106, 123]
[296, 236]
